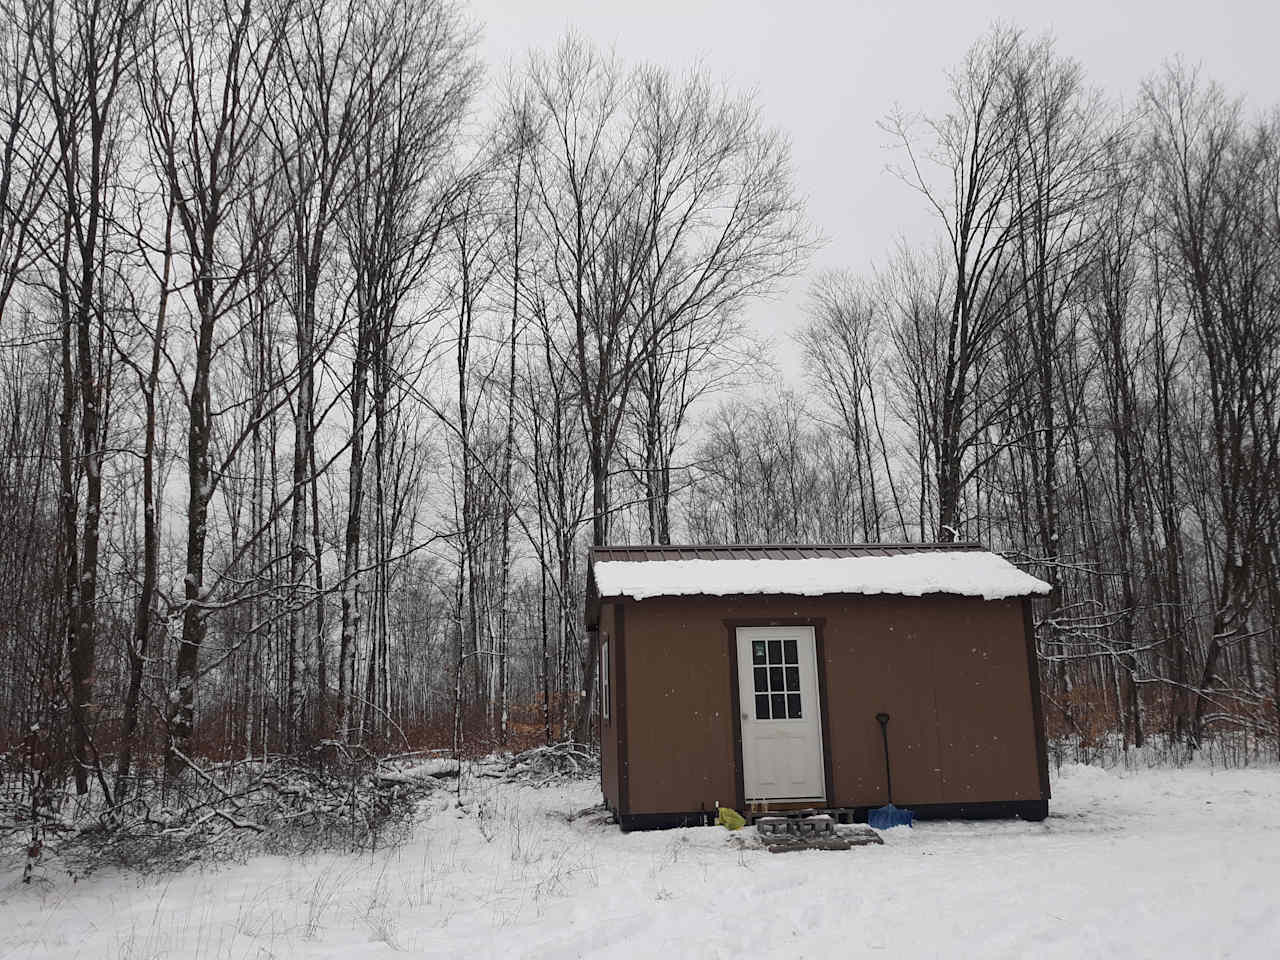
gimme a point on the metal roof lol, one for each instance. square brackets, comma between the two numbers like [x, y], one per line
[767, 551]
[641, 553]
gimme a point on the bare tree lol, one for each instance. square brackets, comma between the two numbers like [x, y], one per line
[28, 170]
[723, 226]
[1053, 172]
[660, 207]
[1210, 176]
[419, 58]
[970, 147]
[1114, 305]
[145, 616]
[845, 318]
[204, 93]
[328, 110]
[84, 63]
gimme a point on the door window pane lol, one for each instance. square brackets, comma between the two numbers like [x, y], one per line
[775, 676]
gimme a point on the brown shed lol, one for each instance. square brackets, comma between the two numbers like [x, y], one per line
[751, 676]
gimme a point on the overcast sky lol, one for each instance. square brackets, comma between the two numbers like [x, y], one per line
[825, 73]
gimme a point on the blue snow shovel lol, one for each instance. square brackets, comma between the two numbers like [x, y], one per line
[888, 816]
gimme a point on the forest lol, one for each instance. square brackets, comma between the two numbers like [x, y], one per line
[325, 355]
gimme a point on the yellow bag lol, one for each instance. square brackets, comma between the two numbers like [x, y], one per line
[730, 819]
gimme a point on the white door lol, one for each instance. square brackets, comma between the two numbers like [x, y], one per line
[781, 722]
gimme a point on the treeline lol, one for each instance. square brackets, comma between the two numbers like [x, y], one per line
[324, 356]
[1083, 372]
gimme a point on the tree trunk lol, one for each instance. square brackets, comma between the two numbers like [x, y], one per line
[352, 538]
[69, 503]
[137, 651]
[181, 715]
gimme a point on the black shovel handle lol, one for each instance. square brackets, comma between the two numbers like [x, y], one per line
[883, 720]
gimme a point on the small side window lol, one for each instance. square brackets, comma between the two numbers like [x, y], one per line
[604, 680]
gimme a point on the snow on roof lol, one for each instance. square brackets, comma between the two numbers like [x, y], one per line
[968, 573]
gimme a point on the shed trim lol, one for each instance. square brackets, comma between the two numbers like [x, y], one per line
[1037, 707]
[1031, 810]
[820, 654]
[735, 699]
[640, 553]
[620, 708]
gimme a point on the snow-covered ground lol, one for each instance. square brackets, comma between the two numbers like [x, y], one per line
[1159, 863]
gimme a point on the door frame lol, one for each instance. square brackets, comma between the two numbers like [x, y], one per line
[820, 666]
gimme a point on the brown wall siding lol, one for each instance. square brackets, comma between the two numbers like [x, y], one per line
[679, 716]
[884, 663]
[950, 671]
[609, 765]
[986, 728]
